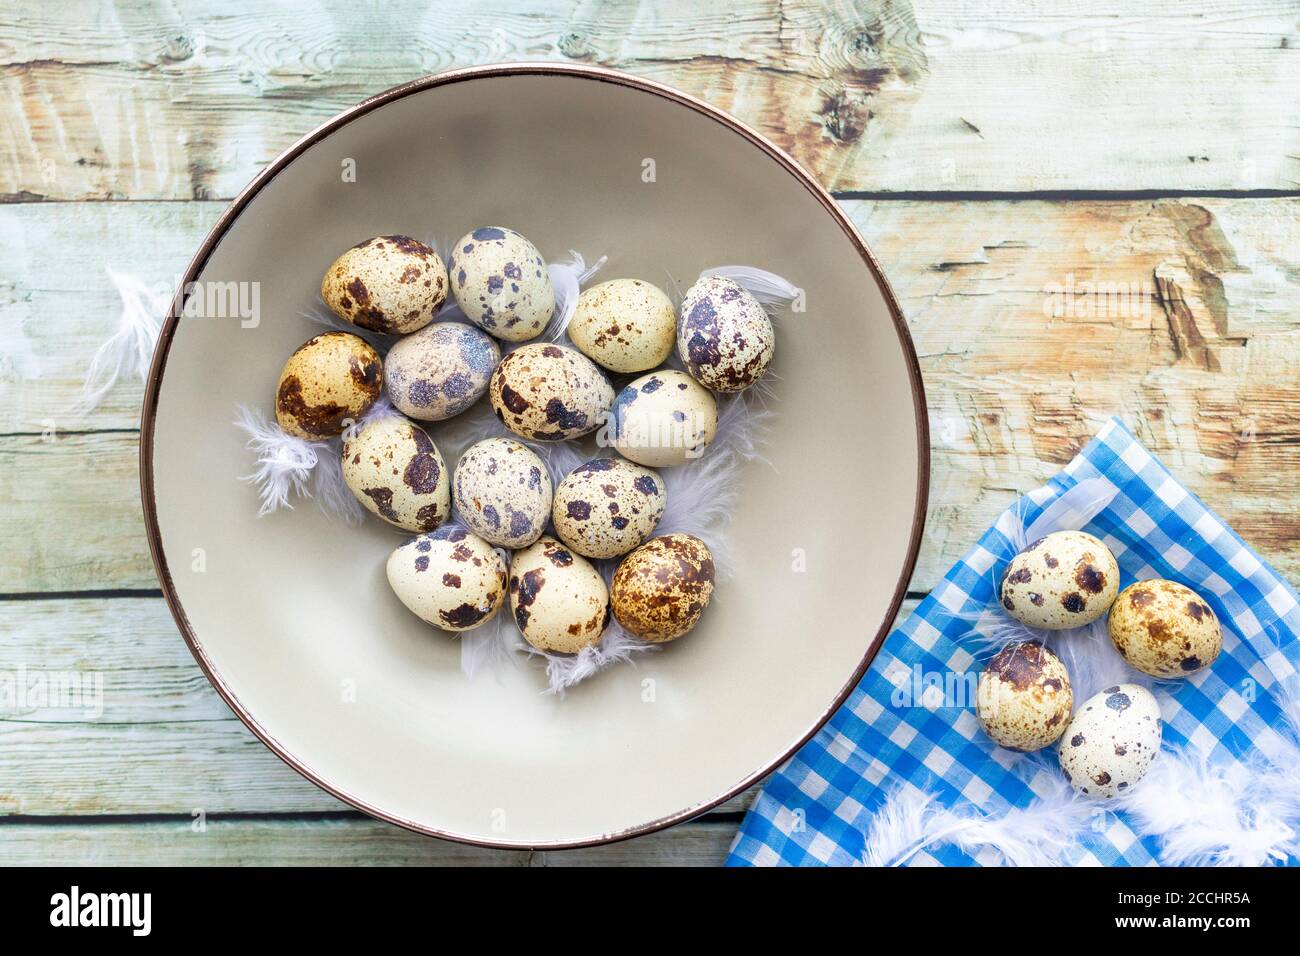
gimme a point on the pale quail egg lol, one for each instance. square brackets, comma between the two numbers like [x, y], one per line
[663, 419]
[449, 578]
[395, 470]
[391, 284]
[1067, 579]
[440, 371]
[1024, 697]
[559, 600]
[607, 507]
[503, 492]
[660, 590]
[1164, 629]
[626, 325]
[329, 382]
[1110, 743]
[724, 335]
[500, 282]
[549, 392]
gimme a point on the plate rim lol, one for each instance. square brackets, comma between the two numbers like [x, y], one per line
[218, 231]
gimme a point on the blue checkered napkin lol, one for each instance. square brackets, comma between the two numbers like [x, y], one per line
[818, 807]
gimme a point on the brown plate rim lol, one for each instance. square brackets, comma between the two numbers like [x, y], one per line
[217, 233]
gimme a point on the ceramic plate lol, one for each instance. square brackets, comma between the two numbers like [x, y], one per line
[291, 616]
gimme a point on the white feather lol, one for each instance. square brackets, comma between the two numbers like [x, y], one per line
[768, 288]
[128, 352]
[284, 461]
[567, 278]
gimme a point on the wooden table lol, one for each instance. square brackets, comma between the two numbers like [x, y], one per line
[1088, 207]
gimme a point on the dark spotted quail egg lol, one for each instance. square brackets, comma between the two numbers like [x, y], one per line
[440, 370]
[395, 470]
[329, 382]
[626, 325]
[1110, 743]
[724, 335]
[660, 590]
[500, 282]
[559, 600]
[391, 284]
[1164, 629]
[449, 578]
[1067, 579]
[549, 392]
[1024, 697]
[607, 507]
[503, 492]
[663, 419]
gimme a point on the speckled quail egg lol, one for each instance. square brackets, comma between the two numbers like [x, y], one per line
[626, 325]
[607, 507]
[724, 335]
[1111, 741]
[440, 371]
[503, 492]
[559, 600]
[329, 382]
[391, 284]
[449, 578]
[1067, 579]
[1024, 697]
[662, 419]
[549, 392]
[1164, 629]
[395, 470]
[500, 282]
[660, 590]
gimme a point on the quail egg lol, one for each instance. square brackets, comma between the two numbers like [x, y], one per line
[626, 325]
[396, 472]
[607, 507]
[559, 600]
[1024, 697]
[449, 578]
[1067, 579]
[329, 382]
[662, 419]
[1111, 741]
[660, 590]
[503, 492]
[440, 371]
[724, 335]
[1164, 629]
[391, 284]
[549, 392]
[500, 282]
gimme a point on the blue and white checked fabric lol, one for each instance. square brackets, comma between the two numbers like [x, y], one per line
[817, 808]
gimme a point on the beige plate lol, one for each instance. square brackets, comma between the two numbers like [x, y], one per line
[292, 618]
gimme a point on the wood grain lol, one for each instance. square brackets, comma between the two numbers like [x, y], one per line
[145, 100]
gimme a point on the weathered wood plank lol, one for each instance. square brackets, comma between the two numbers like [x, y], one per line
[144, 100]
[343, 842]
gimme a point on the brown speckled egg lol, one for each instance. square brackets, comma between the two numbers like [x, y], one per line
[660, 590]
[1111, 740]
[559, 600]
[500, 282]
[1164, 629]
[607, 507]
[449, 578]
[663, 419]
[503, 492]
[626, 325]
[724, 335]
[440, 371]
[549, 392]
[391, 284]
[1024, 697]
[1067, 579]
[395, 470]
[329, 382]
